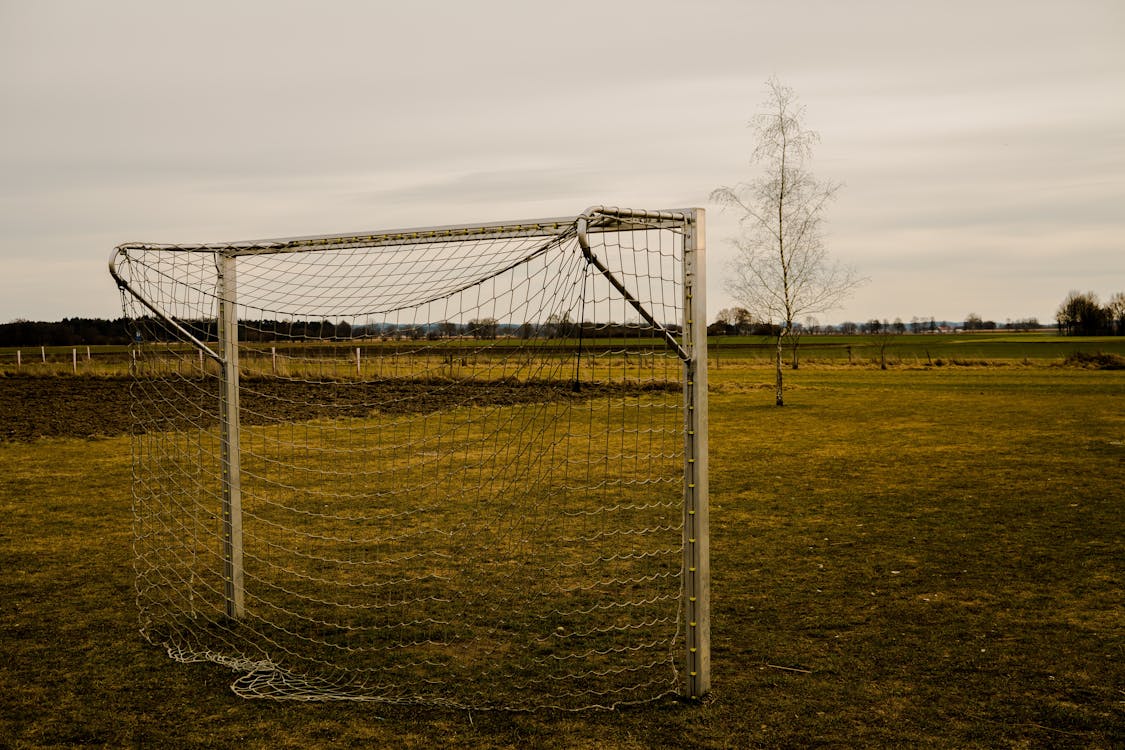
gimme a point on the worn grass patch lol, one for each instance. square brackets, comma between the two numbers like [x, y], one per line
[926, 557]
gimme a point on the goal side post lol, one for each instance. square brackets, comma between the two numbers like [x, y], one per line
[230, 436]
[697, 543]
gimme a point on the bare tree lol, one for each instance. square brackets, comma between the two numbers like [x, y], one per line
[1116, 310]
[743, 321]
[448, 329]
[782, 271]
[483, 328]
[1082, 315]
[728, 317]
[884, 334]
[810, 326]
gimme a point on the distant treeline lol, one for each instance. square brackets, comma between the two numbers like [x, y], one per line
[738, 321]
[1083, 314]
[1080, 314]
[67, 332]
[121, 331]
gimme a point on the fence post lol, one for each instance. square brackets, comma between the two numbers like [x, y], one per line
[358, 370]
[19, 360]
[74, 360]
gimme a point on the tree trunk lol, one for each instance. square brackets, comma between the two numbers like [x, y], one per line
[780, 398]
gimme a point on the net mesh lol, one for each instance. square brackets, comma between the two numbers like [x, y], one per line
[461, 463]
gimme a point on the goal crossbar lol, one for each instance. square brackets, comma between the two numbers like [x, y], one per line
[598, 218]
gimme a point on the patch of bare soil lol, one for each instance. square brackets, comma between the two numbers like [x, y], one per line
[34, 407]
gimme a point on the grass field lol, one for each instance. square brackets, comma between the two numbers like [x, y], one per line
[921, 349]
[339, 358]
[925, 556]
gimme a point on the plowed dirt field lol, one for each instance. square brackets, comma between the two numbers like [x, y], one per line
[33, 407]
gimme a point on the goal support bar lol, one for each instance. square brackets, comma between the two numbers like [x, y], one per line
[583, 224]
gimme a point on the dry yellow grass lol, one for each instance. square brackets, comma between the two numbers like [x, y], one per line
[926, 558]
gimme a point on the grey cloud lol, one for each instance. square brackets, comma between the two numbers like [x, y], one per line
[991, 127]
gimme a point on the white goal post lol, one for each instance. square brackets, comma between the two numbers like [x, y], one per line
[459, 466]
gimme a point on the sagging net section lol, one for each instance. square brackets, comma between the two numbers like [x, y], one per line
[459, 463]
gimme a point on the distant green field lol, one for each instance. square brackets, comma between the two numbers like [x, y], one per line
[922, 557]
[902, 351]
[915, 349]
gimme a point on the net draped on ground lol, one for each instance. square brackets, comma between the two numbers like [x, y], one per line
[461, 464]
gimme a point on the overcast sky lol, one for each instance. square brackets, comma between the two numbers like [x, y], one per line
[981, 144]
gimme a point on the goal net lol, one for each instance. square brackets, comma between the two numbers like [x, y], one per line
[458, 466]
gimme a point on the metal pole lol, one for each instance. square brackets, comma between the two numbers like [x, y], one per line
[230, 436]
[697, 541]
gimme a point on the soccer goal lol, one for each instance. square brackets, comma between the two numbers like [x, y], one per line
[459, 466]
